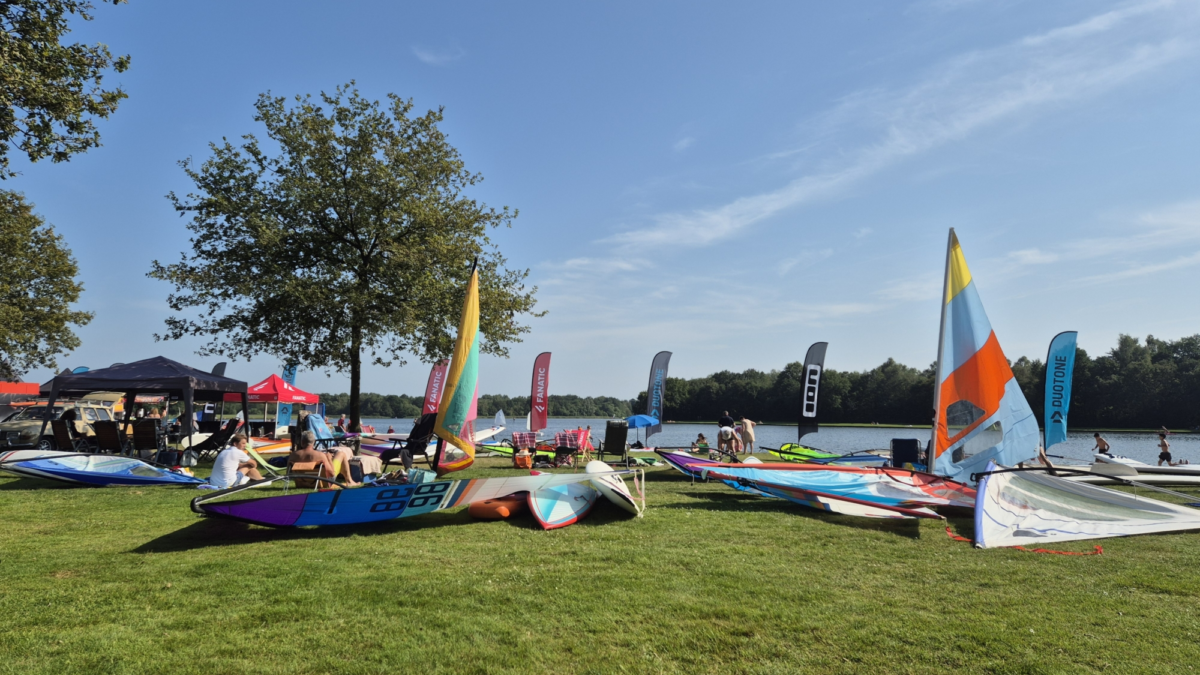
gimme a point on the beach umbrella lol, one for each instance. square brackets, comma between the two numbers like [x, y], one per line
[639, 421]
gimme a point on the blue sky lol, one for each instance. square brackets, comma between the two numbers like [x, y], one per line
[730, 182]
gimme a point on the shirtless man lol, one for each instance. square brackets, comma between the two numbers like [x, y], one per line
[1164, 454]
[308, 453]
[1102, 445]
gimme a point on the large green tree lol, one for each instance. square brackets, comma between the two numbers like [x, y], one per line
[348, 234]
[36, 291]
[50, 92]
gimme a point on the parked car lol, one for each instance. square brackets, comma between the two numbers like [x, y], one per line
[21, 430]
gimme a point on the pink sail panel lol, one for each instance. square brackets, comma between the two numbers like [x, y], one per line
[433, 388]
[539, 395]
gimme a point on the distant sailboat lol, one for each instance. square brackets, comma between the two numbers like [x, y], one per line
[981, 413]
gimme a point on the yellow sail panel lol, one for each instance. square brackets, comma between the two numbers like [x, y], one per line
[957, 274]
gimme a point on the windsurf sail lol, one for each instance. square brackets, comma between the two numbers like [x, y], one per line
[814, 364]
[1031, 508]
[539, 393]
[1060, 367]
[374, 503]
[877, 486]
[457, 407]
[793, 452]
[846, 506]
[981, 413]
[433, 388]
[96, 470]
[656, 390]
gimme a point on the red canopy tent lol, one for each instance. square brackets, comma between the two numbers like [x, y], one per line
[275, 390]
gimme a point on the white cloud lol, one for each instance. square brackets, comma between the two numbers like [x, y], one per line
[963, 96]
[436, 57]
[919, 288]
[684, 143]
[806, 257]
[1032, 256]
[862, 232]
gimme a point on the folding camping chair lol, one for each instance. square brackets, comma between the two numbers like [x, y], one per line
[66, 438]
[523, 440]
[147, 437]
[616, 441]
[217, 442]
[418, 439]
[566, 448]
[109, 437]
[305, 474]
[316, 424]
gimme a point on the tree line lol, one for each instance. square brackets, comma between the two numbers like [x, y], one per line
[402, 406]
[1135, 385]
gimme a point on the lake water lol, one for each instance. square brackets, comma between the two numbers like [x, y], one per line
[1140, 446]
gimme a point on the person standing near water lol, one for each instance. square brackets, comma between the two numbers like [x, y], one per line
[1164, 452]
[1102, 445]
[748, 435]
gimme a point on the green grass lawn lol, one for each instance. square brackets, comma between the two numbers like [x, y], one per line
[131, 581]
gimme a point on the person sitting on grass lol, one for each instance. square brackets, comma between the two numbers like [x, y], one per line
[701, 443]
[308, 453]
[233, 466]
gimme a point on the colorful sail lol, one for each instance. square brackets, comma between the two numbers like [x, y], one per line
[539, 393]
[879, 486]
[1032, 508]
[457, 406]
[814, 364]
[982, 415]
[433, 388]
[1060, 366]
[372, 503]
[656, 390]
[94, 470]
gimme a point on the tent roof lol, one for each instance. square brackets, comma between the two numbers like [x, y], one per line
[275, 389]
[157, 374]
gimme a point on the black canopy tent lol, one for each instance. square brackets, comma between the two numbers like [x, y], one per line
[157, 375]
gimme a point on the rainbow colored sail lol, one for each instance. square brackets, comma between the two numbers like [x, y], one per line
[457, 408]
[982, 415]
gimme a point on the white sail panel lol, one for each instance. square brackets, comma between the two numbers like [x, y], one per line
[1032, 508]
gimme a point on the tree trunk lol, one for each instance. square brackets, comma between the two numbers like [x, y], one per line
[355, 377]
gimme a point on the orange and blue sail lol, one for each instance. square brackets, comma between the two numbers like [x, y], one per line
[982, 415]
[456, 412]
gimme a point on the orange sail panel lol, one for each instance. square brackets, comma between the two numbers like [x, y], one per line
[982, 414]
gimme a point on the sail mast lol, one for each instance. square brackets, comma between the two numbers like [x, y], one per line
[931, 455]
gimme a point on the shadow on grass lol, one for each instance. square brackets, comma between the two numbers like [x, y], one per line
[736, 501]
[208, 532]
